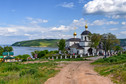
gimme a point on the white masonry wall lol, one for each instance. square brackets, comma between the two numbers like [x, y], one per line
[81, 51]
[83, 43]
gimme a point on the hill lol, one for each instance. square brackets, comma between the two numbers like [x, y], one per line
[38, 43]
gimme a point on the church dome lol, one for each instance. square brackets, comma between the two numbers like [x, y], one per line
[75, 34]
[85, 32]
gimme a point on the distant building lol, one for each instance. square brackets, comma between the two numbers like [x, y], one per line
[8, 57]
[80, 46]
[1, 59]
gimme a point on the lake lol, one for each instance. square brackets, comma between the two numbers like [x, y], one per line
[28, 50]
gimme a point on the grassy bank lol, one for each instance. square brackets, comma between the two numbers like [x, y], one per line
[114, 67]
[17, 73]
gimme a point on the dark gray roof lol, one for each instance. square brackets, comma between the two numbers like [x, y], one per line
[74, 39]
[76, 45]
[86, 32]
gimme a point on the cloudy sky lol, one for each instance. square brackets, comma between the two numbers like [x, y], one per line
[39, 19]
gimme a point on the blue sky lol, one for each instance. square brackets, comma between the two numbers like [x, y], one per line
[39, 19]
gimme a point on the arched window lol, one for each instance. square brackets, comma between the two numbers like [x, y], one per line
[85, 38]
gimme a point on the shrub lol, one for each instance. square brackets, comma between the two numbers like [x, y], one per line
[32, 71]
[112, 60]
[22, 73]
[11, 68]
[23, 57]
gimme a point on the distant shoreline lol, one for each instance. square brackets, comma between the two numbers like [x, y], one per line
[35, 46]
[38, 43]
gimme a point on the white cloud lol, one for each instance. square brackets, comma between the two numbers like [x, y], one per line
[29, 18]
[67, 5]
[61, 28]
[105, 6]
[113, 29]
[123, 23]
[103, 22]
[112, 23]
[123, 32]
[116, 16]
[75, 23]
[79, 23]
[35, 21]
[98, 22]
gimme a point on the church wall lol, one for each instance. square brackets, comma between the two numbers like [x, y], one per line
[67, 44]
[85, 39]
[84, 43]
[81, 51]
[86, 50]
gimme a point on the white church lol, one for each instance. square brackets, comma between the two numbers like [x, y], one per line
[80, 46]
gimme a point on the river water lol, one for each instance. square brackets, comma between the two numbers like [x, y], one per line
[27, 50]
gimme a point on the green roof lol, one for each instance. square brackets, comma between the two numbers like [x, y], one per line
[1, 56]
[8, 53]
[8, 57]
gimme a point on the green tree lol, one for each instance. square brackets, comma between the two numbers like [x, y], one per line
[110, 41]
[41, 54]
[8, 49]
[18, 57]
[61, 45]
[118, 48]
[35, 52]
[1, 50]
[23, 57]
[95, 40]
[46, 51]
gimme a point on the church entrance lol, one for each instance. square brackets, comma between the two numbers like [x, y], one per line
[90, 51]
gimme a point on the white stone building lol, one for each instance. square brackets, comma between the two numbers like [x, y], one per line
[80, 46]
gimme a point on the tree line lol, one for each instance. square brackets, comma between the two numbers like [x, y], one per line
[108, 42]
[5, 49]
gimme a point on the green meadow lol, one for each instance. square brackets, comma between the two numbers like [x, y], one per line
[113, 67]
[18, 73]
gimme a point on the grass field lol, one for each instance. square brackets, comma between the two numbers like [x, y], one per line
[36, 73]
[17, 73]
[114, 67]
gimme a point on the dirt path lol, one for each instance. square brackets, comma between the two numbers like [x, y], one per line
[78, 73]
[32, 62]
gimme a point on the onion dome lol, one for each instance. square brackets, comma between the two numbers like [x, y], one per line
[75, 34]
[86, 26]
[86, 32]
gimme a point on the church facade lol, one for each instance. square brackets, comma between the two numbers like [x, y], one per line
[80, 46]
